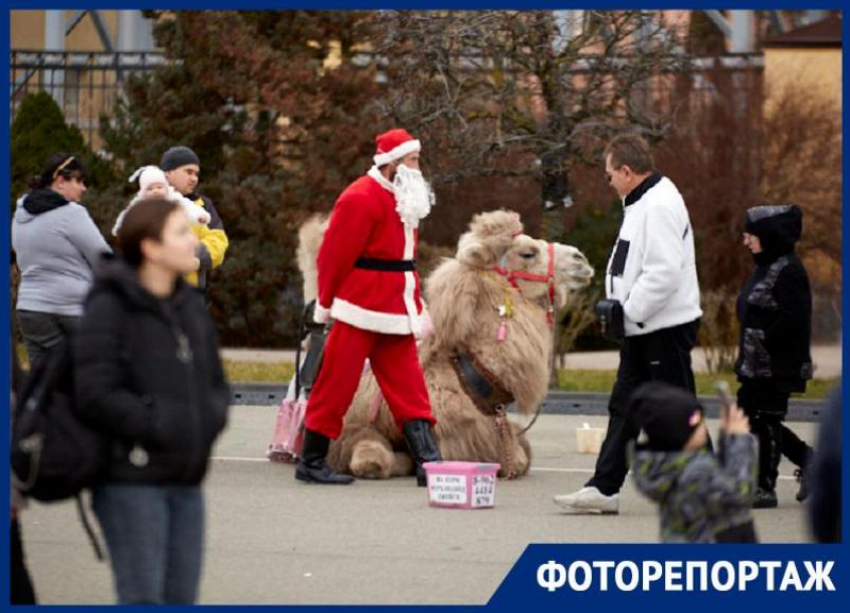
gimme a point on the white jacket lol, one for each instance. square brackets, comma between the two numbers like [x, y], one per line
[652, 270]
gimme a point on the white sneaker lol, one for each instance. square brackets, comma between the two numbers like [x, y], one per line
[589, 500]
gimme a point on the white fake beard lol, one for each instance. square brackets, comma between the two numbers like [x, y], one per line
[414, 197]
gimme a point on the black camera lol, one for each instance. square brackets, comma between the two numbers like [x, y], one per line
[610, 315]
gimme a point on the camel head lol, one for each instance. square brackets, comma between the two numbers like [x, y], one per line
[489, 236]
[495, 242]
[497, 265]
[494, 259]
[528, 261]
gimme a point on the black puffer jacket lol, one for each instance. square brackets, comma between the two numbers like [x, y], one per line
[147, 371]
[775, 306]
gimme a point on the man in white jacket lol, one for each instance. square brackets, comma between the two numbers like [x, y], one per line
[652, 274]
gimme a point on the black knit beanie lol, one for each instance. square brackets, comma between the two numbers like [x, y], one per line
[177, 157]
[668, 415]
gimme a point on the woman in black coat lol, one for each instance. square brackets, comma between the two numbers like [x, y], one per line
[148, 373]
[774, 357]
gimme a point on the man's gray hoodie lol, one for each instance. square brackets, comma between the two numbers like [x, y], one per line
[703, 497]
[56, 243]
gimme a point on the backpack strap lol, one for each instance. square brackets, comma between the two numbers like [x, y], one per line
[98, 550]
[81, 509]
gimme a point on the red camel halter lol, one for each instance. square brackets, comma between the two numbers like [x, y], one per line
[513, 275]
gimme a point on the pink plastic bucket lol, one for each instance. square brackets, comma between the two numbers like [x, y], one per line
[461, 485]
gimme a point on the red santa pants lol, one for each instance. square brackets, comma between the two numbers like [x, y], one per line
[395, 365]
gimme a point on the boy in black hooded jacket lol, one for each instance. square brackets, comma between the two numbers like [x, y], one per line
[703, 496]
[774, 357]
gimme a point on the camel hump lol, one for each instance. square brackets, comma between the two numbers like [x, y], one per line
[310, 236]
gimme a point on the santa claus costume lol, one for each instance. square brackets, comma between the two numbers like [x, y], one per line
[369, 287]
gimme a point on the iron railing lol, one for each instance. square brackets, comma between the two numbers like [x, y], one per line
[83, 83]
[88, 83]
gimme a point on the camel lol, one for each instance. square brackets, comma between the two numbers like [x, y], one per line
[492, 308]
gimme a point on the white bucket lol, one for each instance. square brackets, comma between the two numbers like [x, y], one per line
[589, 439]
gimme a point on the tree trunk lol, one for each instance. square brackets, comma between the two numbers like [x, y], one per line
[556, 199]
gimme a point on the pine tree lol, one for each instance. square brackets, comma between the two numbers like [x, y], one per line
[40, 131]
[274, 105]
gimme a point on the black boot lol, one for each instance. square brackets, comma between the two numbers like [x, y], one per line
[312, 468]
[417, 433]
[765, 499]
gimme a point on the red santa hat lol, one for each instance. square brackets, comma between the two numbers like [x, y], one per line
[394, 145]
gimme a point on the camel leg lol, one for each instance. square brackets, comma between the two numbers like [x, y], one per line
[403, 465]
[523, 453]
[372, 458]
[363, 452]
[522, 456]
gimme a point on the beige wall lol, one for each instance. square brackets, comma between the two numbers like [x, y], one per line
[27, 31]
[816, 70]
[84, 108]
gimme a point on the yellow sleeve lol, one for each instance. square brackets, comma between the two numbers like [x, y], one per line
[192, 279]
[215, 241]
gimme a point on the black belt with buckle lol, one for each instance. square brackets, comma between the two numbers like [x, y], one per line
[386, 265]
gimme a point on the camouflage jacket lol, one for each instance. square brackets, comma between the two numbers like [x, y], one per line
[700, 494]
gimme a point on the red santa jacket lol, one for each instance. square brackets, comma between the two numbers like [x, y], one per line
[364, 224]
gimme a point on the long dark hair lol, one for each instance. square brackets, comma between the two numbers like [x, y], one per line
[63, 165]
[145, 219]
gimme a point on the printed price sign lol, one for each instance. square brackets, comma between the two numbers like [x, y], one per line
[483, 490]
[449, 489]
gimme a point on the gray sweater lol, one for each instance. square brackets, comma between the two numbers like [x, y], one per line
[56, 251]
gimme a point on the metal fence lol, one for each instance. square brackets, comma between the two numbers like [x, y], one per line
[88, 83]
[84, 84]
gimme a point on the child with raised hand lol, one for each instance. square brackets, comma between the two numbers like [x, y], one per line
[703, 497]
[154, 184]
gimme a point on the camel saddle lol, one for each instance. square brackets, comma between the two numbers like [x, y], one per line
[481, 385]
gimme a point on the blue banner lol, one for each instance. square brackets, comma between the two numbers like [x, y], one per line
[779, 577]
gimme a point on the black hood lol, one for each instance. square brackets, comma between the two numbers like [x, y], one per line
[777, 227]
[41, 201]
[114, 274]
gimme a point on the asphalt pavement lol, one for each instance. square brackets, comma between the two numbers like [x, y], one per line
[272, 540]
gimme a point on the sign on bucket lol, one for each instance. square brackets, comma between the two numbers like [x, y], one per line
[461, 485]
